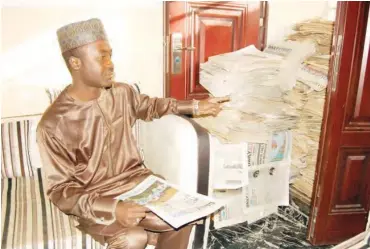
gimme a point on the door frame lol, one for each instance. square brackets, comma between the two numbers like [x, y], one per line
[324, 144]
[264, 14]
[166, 50]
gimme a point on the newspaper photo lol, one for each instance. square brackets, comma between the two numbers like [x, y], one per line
[280, 147]
[174, 206]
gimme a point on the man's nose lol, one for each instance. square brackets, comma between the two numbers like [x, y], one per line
[109, 64]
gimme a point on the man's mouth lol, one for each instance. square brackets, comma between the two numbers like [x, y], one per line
[110, 76]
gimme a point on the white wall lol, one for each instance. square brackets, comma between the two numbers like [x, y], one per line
[31, 57]
[284, 14]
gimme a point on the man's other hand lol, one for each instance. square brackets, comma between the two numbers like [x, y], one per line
[129, 214]
[211, 106]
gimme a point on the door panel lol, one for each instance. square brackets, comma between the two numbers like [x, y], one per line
[207, 29]
[342, 184]
[209, 25]
[359, 114]
[350, 183]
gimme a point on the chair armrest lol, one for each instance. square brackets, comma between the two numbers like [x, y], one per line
[178, 149]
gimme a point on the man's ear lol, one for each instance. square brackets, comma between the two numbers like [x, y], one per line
[74, 63]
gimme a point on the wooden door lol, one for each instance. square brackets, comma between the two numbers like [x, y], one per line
[198, 30]
[342, 184]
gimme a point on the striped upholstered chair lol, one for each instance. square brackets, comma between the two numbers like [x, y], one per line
[28, 218]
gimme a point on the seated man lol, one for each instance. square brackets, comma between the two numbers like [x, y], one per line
[88, 149]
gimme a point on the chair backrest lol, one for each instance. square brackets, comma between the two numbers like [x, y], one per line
[19, 152]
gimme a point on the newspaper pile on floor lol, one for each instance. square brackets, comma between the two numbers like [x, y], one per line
[252, 128]
[309, 96]
[279, 89]
[251, 137]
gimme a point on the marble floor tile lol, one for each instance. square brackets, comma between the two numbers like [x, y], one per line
[286, 229]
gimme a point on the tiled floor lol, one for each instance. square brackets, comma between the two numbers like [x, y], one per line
[287, 229]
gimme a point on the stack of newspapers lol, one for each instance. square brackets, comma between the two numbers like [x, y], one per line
[313, 75]
[256, 83]
[276, 94]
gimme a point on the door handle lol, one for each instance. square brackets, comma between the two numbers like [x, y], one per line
[186, 48]
[176, 53]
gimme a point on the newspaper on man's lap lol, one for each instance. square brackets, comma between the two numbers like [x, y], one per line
[173, 205]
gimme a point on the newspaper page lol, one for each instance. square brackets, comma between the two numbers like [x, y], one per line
[234, 210]
[268, 185]
[174, 206]
[316, 79]
[277, 149]
[275, 170]
[256, 153]
[267, 173]
[232, 213]
[230, 162]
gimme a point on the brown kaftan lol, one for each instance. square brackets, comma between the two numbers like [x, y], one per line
[90, 154]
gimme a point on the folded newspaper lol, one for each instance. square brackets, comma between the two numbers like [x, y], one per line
[174, 206]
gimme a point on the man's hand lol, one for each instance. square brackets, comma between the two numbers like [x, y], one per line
[211, 106]
[129, 214]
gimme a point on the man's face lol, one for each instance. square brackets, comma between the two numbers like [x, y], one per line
[97, 69]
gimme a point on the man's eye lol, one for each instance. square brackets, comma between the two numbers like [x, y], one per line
[105, 57]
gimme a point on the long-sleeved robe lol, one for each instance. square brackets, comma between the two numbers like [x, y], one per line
[89, 152]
